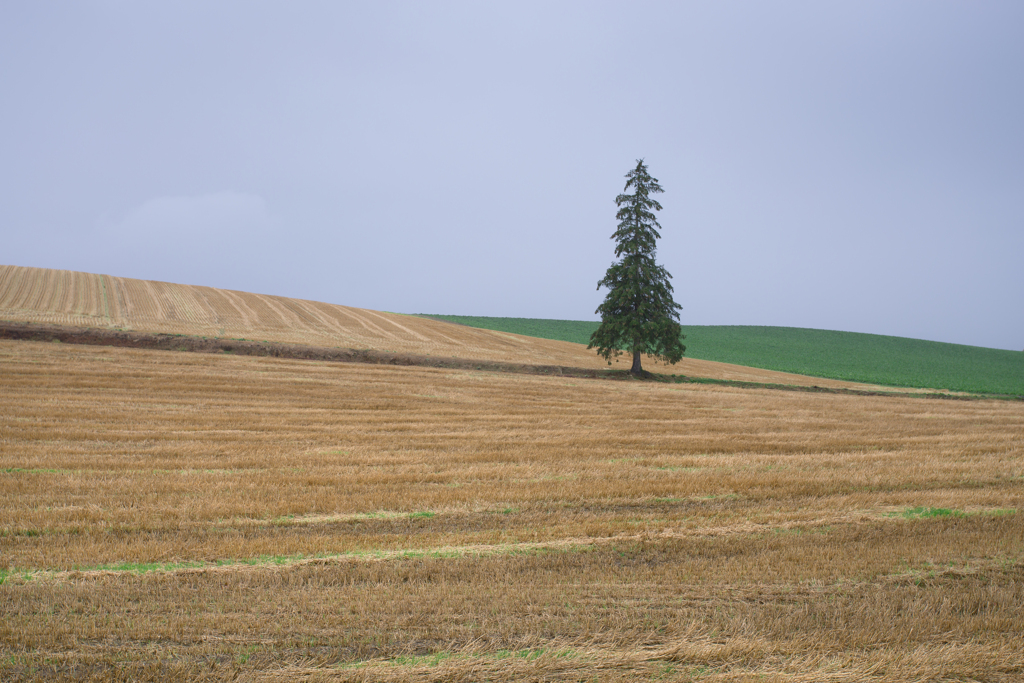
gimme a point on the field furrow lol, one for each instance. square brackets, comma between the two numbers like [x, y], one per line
[10, 287]
[230, 312]
[374, 330]
[325, 317]
[167, 304]
[394, 323]
[262, 316]
[46, 293]
[190, 307]
[247, 316]
[140, 303]
[117, 297]
[14, 288]
[210, 298]
[285, 316]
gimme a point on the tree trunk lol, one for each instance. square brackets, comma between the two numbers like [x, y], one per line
[636, 369]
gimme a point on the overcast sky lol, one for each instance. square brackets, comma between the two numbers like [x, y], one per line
[839, 165]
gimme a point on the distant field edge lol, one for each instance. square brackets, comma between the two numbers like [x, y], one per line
[848, 356]
[41, 332]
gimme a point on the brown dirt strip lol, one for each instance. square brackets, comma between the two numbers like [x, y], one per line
[92, 336]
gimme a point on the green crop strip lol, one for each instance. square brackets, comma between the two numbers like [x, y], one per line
[849, 356]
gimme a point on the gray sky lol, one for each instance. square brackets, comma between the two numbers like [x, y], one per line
[840, 165]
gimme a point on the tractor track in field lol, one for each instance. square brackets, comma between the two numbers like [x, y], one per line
[93, 336]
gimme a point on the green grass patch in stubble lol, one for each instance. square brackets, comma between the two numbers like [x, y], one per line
[921, 512]
[161, 567]
[850, 356]
[512, 549]
[295, 520]
[143, 567]
[710, 496]
[45, 531]
[437, 658]
[33, 470]
[927, 513]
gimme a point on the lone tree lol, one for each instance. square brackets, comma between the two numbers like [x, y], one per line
[638, 314]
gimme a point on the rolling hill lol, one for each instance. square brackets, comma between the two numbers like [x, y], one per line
[222, 516]
[69, 298]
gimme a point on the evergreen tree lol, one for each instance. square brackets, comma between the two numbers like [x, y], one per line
[638, 314]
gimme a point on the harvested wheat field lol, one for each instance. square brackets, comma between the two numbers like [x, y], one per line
[84, 299]
[173, 515]
[60, 297]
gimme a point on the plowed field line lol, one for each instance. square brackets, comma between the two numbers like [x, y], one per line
[312, 321]
[106, 298]
[445, 338]
[58, 300]
[7, 291]
[34, 297]
[83, 295]
[189, 306]
[203, 294]
[11, 287]
[40, 287]
[143, 303]
[262, 315]
[65, 292]
[119, 297]
[227, 304]
[73, 287]
[399, 326]
[326, 317]
[369, 326]
[286, 316]
[238, 303]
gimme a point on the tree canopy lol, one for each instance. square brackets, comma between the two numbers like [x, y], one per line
[638, 314]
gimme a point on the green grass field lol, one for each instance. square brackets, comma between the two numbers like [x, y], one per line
[853, 356]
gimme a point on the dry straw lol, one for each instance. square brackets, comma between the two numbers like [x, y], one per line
[176, 515]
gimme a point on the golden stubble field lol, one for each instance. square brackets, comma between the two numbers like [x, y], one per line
[62, 297]
[85, 299]
[170, 515]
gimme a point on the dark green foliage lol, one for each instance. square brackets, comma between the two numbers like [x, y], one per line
[638, 314]
[853, 356]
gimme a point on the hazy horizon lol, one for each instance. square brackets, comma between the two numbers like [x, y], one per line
[844, 166]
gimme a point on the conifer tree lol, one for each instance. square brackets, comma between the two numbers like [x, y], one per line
[638, 314]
